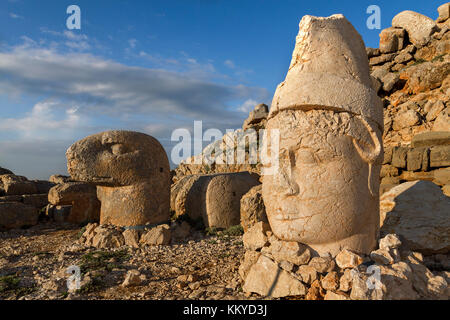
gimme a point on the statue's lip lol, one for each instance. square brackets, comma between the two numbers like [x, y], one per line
[290, 216]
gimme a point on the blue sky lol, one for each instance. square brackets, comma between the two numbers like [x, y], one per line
[149, 66]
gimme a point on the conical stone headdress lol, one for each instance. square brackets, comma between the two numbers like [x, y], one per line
[329, 70]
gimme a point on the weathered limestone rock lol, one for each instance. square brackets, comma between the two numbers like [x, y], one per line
[17, 185]
[347, 259]
[107, 238]
[315, 292]
[442, 121]
[132, 172]
[15, 215]
[131, 237]
[399, 155]
[330, 281]
[252, 208]
[329, 119]
[392, 39]
[255, 238]
[404, 119]
[81, 196]
[307, 273]
[419, 212]
[257, 117]
[390, 241]
[385, 256]
[267, 279]
[250, 258]
[434, 108]
[322, 264]
[417, 158]
[444, 12]
[160, 235]
[426, 76]
[419, 27]
[132, 278]
[290, 251]
[440, 156]
[345, 282]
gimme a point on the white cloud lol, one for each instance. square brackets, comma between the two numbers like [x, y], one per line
[248, 106]
[15, 16]
[42, 122]
[132, 43]
[108, 87]
[230, 64]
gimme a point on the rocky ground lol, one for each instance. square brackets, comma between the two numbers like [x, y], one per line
[33, 265]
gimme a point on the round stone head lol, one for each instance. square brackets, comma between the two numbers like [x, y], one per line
[132, 174]
[117, 158]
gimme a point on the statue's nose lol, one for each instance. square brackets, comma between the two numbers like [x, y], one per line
[287, 181]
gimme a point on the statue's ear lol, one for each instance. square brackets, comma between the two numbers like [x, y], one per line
[370, 153]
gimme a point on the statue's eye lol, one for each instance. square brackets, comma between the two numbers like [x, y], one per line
[305, 156]
[118, 149]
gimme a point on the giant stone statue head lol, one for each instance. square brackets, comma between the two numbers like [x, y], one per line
[325, 191]
[132, 174]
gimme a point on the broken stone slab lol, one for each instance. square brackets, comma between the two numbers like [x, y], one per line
[418, 212]
[307, 273]
[159, 235]
[322, 264]
[390, 241]
[17, 185]
[419, 27]
[417, 159]
[291, 251]
[405, 119]
[14, 215]
[38, 201]
[432, 138]
[255, 238]
[330, 281]
[392, 39]
[347, 259]
[440, 156]
[267, 279]
[81, 196]
[250, 258]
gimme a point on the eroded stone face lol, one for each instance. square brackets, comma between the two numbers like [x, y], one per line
[329, 118]
[325, 193]
[132, 172]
